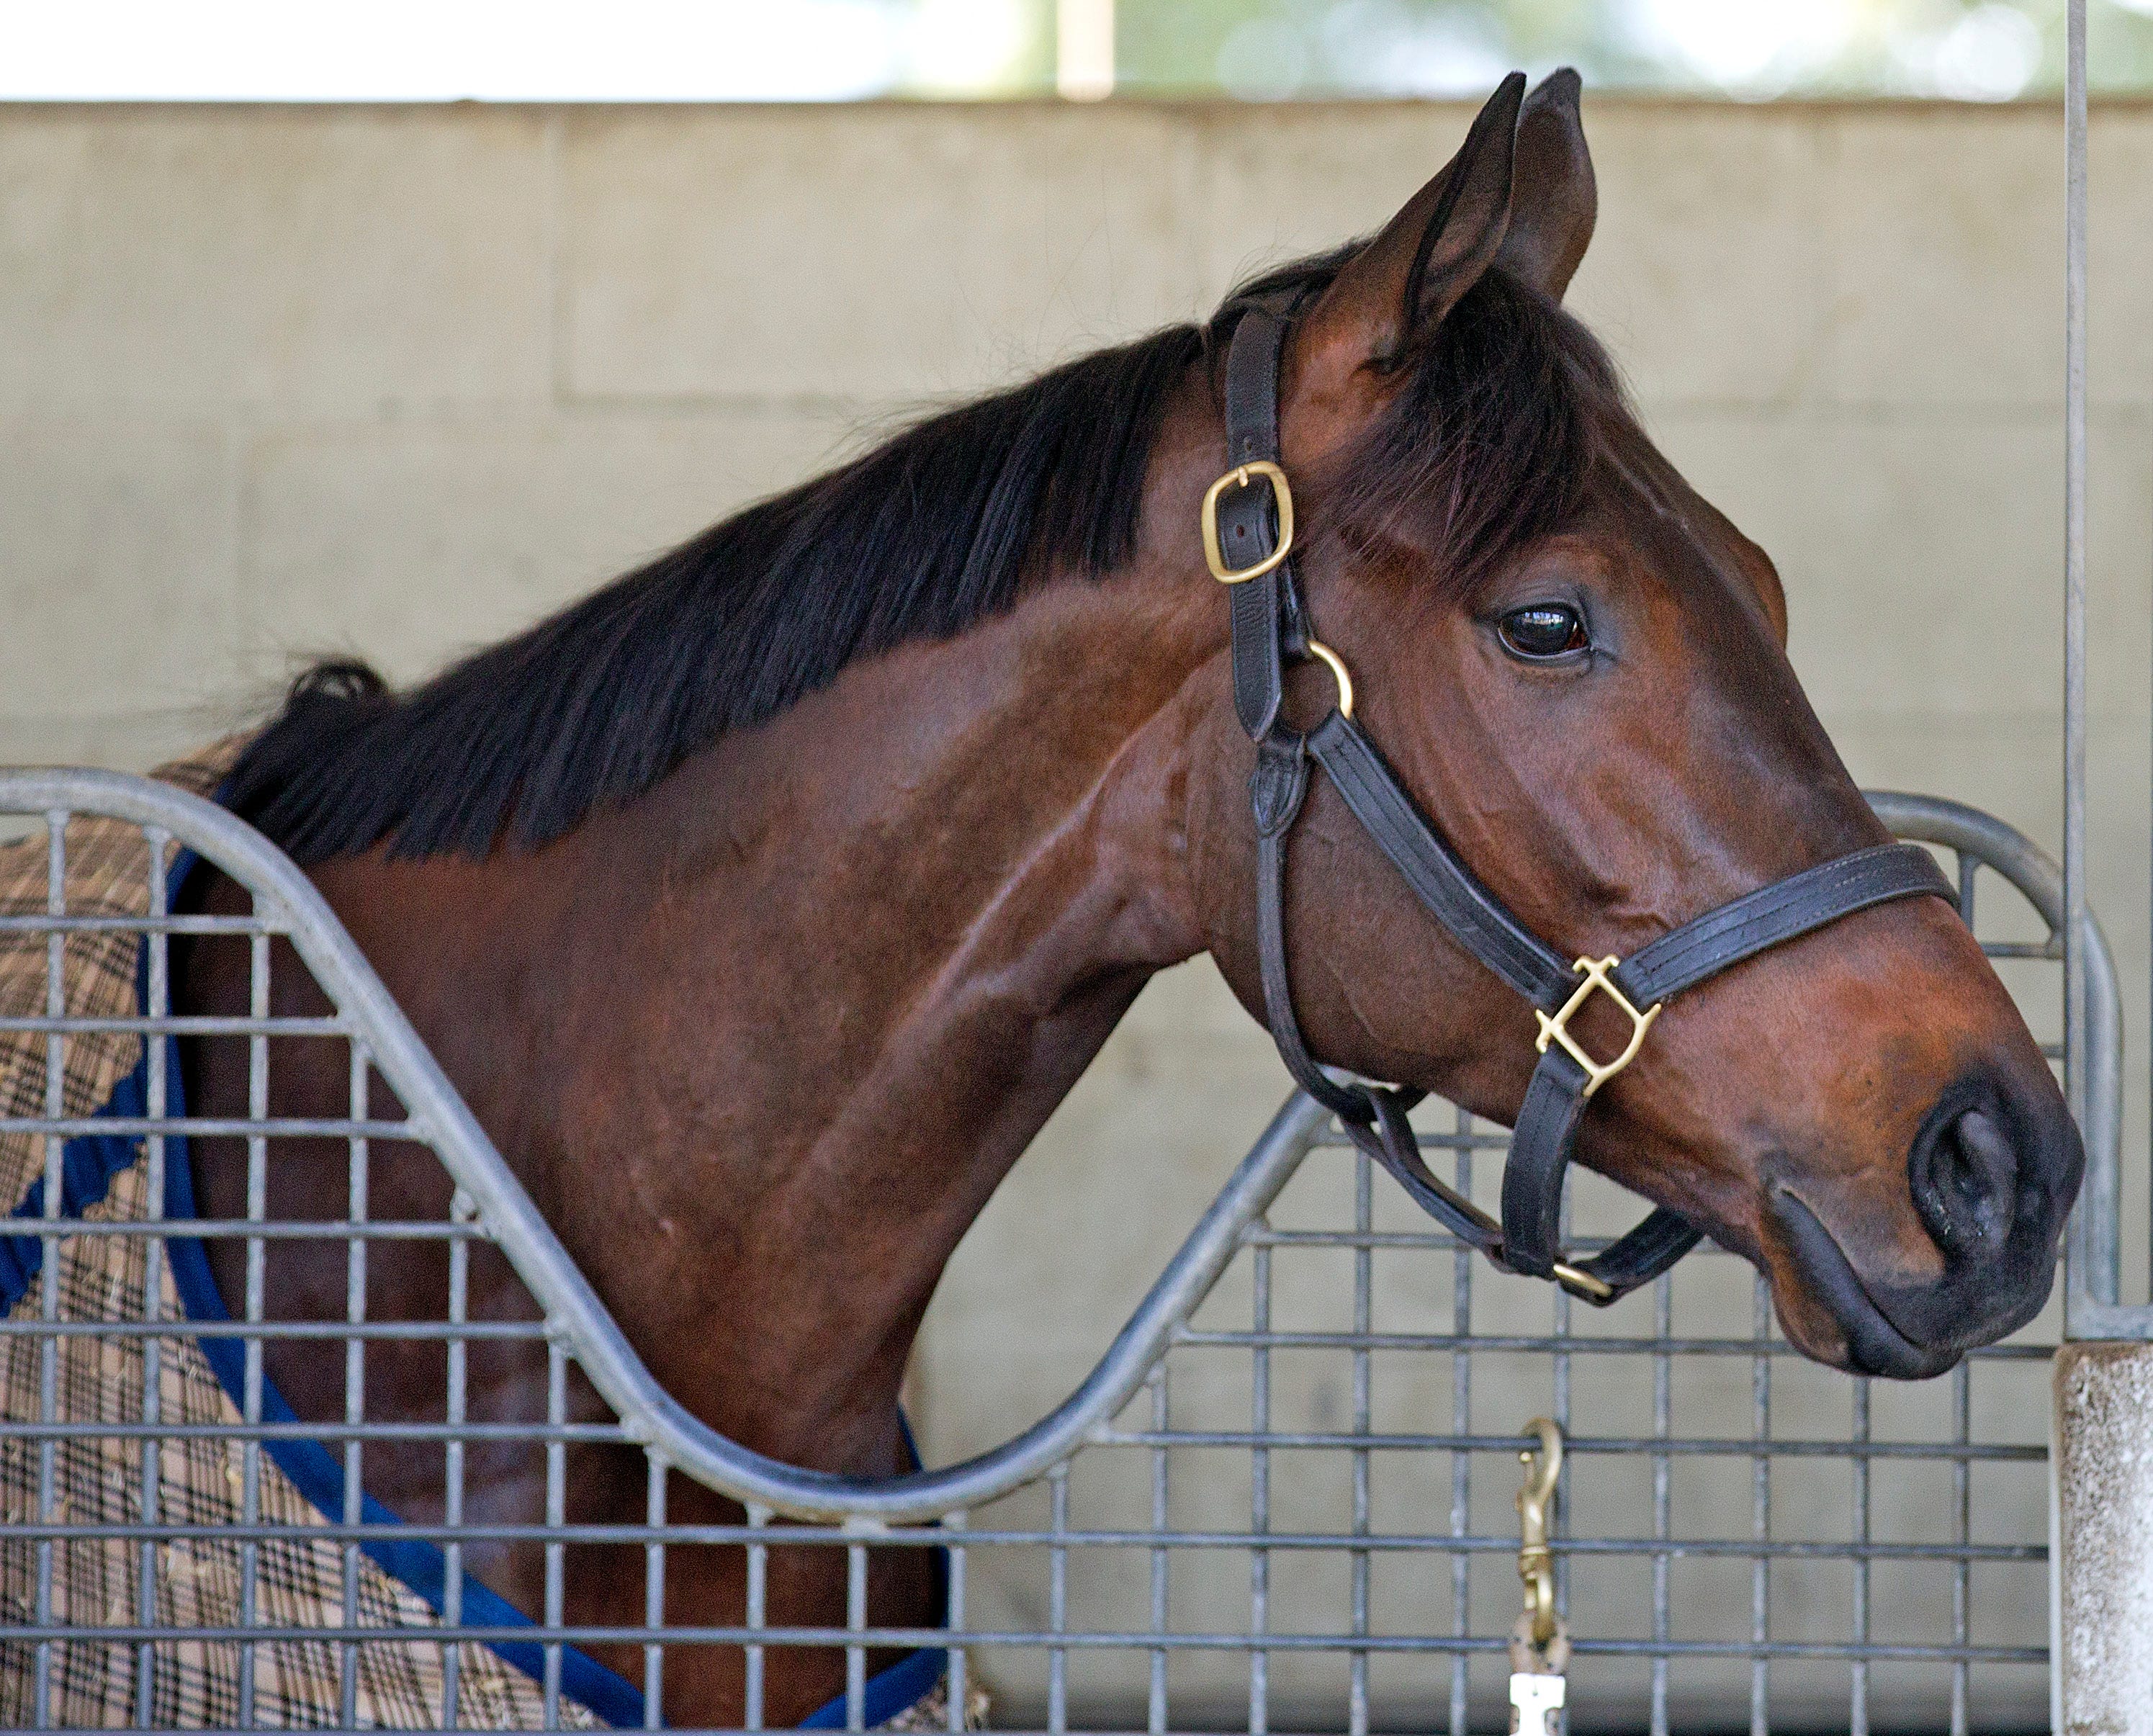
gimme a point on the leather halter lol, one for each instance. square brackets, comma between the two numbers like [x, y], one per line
[1248, 535]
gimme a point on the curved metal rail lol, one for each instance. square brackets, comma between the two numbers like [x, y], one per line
[2094, 1262]
[290, 902]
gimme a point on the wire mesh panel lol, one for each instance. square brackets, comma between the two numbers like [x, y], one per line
[1329, 1457]
[1283, 1501]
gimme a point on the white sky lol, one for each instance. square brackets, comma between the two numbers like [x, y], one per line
[533, 50]
[776, 50]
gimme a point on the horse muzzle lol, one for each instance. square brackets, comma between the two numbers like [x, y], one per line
[1991, 1178]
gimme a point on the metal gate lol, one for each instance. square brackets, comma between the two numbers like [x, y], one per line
[1281, 1501]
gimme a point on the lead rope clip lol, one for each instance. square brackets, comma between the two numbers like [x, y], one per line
[1540, 1644]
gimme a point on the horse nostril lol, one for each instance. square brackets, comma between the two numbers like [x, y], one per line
[1964, 1169]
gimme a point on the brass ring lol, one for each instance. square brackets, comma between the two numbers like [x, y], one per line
[1331, 660]
[1583, 1283]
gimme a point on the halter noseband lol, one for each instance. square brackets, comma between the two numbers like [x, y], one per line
[1248, 543]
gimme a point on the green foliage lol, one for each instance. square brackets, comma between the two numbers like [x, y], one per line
[1964, 50]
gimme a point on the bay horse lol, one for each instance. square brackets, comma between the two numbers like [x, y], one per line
[764, 903]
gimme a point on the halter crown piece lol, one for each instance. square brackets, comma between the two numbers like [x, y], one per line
[1248, 528]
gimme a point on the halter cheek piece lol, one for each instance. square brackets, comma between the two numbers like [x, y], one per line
[1248, 543]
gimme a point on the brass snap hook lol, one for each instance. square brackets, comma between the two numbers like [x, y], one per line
[1535, 1506]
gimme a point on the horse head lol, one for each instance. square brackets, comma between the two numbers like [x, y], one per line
[1576, 667]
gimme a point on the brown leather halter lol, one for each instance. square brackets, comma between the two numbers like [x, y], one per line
[1248, 543]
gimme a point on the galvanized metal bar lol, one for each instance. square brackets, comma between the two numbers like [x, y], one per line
[1962, 1537]
[1341, 1543]
[48, 1292]
[1356, 1687]
[1099, 1640]
[1161, 1513]
[1662, 1428]
[256, 1283]
[269, 1229]
[557, 1519]
[654, 1590]
[1731, 1447]
[415, 1332]
[157, 960]
[168, 1024]
[855, 1623]
[958, 1678]
[1760, 1506]
[1259, 1491]
[1700, 1446]
[1057, 1601]
[2096, 1249]
[452, 1468]
[1461, 1422]
[359, 1189]
[205, 1127]
[64, 923]
[758, 1616]
[1857, 1722]
[1559, 1367]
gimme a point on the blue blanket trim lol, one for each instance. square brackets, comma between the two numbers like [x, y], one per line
[88, 1164]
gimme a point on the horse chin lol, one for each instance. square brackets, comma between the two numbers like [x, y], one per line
[1859, 1338]
[1904, 1333]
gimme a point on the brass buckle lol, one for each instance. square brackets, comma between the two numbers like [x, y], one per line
[1556, 1029]
[1240, 477]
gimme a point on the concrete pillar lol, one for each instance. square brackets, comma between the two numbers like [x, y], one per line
[2101, 1540]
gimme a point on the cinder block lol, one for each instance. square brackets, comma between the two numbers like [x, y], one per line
[2120, 256]
[117, 569]
[342, 259]
[863, 253]
[1277, 182]
[1943, 237]
[1705, 274]
[407, 544]
[1920, 555]
[2004, 763]
[117, 741]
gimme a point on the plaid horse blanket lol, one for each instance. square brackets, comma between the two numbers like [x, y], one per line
[106, 1479]
[65, 1473]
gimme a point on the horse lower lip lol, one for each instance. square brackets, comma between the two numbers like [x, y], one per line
[1874, 1345]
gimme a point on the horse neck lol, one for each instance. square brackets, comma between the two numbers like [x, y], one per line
[763, 1042]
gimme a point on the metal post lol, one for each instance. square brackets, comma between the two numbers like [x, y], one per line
[2101, 1473]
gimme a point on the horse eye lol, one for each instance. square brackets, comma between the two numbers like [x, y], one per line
[1543, 629]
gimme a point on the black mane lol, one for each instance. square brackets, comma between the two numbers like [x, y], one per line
[921, 538]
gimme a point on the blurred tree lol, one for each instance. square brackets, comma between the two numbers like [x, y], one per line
[1966, 49]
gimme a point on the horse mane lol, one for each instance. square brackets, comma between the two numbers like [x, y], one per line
[941, 527]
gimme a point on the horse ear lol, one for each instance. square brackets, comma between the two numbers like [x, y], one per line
[1554, 198]
[1434, 250]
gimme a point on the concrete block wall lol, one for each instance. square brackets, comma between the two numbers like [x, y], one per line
[274, 382]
